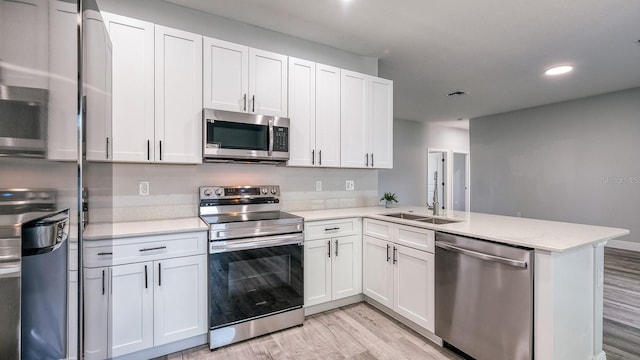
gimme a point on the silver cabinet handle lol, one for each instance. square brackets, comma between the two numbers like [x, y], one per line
[160, 150]
[320, 157]
[482, 256]
[388, 257]
[372, 160]
[313, 157]
[153, 248]
[244, 108]
[367, 157]
[329, 247]
[253, 103]
[159, 274]
[148, 149]
[107, 152]
[331, 229]
[146, 280]
[336, 247]
[105, 253]
[395, 255]
[103, 278]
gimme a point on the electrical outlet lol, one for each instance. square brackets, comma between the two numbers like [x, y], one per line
[318, 185]
[350, 185]
[143, 188]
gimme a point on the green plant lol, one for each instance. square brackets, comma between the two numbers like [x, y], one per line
[389, 197]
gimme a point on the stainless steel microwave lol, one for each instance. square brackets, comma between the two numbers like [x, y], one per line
[232, 136]
[23, 121]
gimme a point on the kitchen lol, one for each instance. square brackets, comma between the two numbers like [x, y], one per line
[173, 188]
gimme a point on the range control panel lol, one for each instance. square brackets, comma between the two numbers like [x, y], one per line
[239, 192]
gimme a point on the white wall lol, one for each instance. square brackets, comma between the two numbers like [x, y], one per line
[574, 161]
[408, 178]
[171, 15]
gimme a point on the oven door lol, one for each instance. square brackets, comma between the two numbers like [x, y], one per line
[251, 278]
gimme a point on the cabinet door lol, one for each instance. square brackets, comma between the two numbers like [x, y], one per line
[317, 271]
[180, 298]
[98, 100]
[267, 83]
[377, 270]
[131, 308]
[23, 43]
[302, 112]
[414, 286]
[328, 115]
[226, 75]
[381, 123]
[354, 111]
[133, 88]
[62, 139]
[96, 313]
[346, 267]
[178, 96]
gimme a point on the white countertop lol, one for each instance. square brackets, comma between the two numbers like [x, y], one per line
[546, 235]
[103, 231]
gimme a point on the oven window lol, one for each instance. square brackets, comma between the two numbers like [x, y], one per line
[231, 135]
[250, 283]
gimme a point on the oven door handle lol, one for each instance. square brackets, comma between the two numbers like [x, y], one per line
[255, 243]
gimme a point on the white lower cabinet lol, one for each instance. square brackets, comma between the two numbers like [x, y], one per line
[332, 261]
[398, 276]
[135, 306]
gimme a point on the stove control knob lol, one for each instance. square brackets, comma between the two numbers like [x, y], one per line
[274, 191]
[219, 191]
[208, 192]
[264, 191]
[44, 196]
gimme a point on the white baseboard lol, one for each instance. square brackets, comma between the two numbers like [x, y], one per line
[315, 309]
[623, 245]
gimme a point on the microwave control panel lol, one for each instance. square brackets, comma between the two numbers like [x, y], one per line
[280, 139]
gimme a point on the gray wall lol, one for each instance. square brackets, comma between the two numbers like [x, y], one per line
[576, 161]
[408, 178]
[171, 15]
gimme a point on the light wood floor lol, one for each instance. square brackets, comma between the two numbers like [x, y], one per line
[621, 304]
[353, 332]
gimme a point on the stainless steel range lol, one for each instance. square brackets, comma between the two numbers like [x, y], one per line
[255, 263]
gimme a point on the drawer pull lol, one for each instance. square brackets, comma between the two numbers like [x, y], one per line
[146, 279]
[105, 253]
[153, 248]
[331, 229]
[329, 248]
[336, 247]
[159, 274]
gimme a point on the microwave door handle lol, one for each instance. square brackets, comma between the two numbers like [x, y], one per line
[270, 138]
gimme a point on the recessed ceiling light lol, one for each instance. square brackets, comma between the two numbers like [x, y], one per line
[457, 93]
[558, 70]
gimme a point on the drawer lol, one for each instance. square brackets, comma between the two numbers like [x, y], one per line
[331, 228]
[417, 238]
[378, 229]
[145, 248]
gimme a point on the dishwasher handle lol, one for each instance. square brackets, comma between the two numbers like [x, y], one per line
[482, 256]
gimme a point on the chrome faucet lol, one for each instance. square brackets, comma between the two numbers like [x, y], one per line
[436, 205]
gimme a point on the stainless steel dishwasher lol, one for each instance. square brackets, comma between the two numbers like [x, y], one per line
[484, 297]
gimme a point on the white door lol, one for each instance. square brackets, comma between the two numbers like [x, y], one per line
[302, 112]
[317, 272]
[180, 298]
[23, 43]
[327, 116]
[226, 75]
[96, 313]
[178, 96]
[346, 267]
[377, 270]
[381, 123]
[131, 308]
[414, 286]
[354, 111]
[267, 83]
[133, 88]
[97, 120]
[62, 141]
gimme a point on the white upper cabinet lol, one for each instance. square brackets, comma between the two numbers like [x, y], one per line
[226, 75]
[133, 88]
[239, 78]
[178, 96]
[24, 51]
[366, 121]
[302, 112]
[62, 142]
[328, 115]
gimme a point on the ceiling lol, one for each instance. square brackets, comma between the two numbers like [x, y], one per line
[495, 50]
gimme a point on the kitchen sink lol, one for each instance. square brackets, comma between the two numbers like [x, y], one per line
[421, 218]
[405, 216]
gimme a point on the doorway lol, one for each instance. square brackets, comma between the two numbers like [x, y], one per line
[460, 181]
